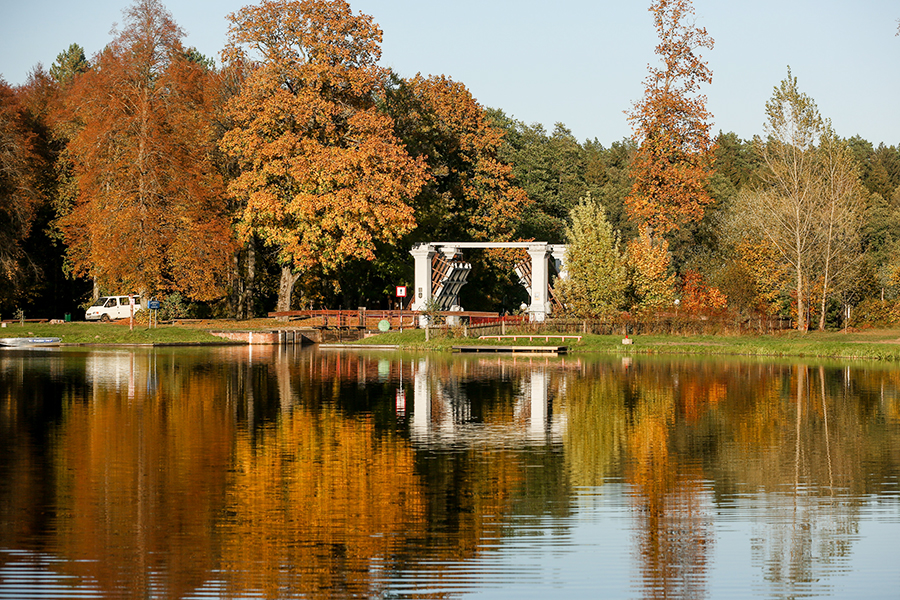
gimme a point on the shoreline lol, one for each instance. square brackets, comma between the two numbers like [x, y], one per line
[870, 345]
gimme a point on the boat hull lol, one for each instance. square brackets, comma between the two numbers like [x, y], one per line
[29, 342]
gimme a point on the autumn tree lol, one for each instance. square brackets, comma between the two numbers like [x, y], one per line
[470, 193]
[43, 286]
[671, 125]
[842, 218]
[787, 209]
[69, 64]
[148, 214]
[649, 261]
[697, 296]
[323, 176]
[20, 195]
[752, 275]
[597, 276]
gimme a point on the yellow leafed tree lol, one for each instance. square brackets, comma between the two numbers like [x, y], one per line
[649, 260]
[323, 175]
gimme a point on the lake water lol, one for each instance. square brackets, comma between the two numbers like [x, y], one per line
[266, 472]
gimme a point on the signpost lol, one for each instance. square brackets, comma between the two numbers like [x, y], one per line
[401, 293]
[153, 307]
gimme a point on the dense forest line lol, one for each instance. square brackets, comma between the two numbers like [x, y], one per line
[300, 173]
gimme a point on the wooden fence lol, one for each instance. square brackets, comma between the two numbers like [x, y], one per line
[475, 323]
[666, 324]
[367, 319]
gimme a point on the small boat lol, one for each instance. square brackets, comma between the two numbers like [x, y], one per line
[29, 342]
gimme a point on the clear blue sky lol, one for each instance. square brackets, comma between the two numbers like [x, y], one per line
[579, 62]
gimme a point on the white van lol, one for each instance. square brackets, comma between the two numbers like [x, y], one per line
[107, 308]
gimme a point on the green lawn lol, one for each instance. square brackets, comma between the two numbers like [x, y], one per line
[110, 333]
[874, 344]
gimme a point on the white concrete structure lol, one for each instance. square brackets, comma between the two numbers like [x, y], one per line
[539, 290]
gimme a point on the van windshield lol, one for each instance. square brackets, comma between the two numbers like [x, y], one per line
[100, 301]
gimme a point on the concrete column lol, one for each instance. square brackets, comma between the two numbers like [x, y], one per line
[558, 253]
[540, 282]
[449, 252]
[422, 253]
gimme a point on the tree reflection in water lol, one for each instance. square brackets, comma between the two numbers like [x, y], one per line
[798, 448]
[283, 473]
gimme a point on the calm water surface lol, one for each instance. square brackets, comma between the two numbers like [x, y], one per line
[278, 473]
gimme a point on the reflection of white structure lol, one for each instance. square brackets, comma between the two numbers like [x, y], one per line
[442, 413]
[445, 284]
[537, 402]
[421, 423]
[110, 368]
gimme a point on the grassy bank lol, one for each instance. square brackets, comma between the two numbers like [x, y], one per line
[873, 345]
[110, 333]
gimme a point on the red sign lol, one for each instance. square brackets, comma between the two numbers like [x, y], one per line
[401, 291]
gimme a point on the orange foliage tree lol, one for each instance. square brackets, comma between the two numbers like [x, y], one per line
[470, 192]
[323, 175]
[699, 297]
[19, 191]
[671, 124]
[148, 213]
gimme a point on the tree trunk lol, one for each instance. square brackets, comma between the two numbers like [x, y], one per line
[286, 288]
[247, 275]
[826, 276]
[251, 277]
[801, 309]
[237, 288]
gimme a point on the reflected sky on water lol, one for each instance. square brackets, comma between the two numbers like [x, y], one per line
[266, 472]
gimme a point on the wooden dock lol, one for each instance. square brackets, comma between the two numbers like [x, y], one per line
[547, 350]
[359, 347]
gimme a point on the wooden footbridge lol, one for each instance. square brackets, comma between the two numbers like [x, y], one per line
[366, 319]
[318, 326]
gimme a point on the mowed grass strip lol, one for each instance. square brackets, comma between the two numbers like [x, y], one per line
[883, 344]
[111, 333]
[872, 344]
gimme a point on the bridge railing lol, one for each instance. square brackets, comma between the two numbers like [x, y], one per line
[369, 319]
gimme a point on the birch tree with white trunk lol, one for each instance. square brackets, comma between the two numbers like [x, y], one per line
[787, 210]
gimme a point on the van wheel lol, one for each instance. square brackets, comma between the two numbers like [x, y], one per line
[104, 318]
